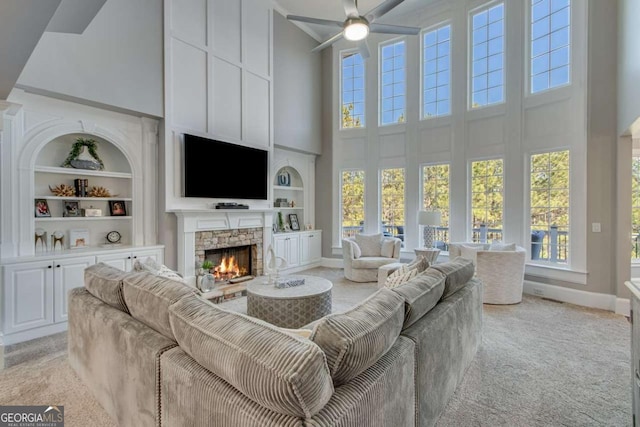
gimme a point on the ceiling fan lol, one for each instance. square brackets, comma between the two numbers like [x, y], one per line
[357, 27]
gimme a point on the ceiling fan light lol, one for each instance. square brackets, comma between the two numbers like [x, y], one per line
[356, 30]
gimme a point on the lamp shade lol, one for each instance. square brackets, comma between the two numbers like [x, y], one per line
[433, 218]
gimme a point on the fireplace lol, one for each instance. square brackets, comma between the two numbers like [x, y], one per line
[231, 262]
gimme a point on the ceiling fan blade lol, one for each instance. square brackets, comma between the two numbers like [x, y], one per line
[363, 49]
[327, 43]
[350, 8]
[315, 20]
[393, 29]
[381, 9]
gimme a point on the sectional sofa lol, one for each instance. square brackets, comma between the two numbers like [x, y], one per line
[154, 352]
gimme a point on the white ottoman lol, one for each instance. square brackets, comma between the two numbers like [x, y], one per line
[385, 270]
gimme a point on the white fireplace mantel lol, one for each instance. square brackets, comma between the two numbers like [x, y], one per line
[192, 221]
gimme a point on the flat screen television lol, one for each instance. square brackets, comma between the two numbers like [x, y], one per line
[222, 170]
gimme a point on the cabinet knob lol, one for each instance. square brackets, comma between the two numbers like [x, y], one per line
[58, 266]
[135, 256]
[128, 257]
[49, 266]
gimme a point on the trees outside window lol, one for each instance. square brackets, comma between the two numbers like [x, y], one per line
[392, 201]
[352, 104]
[549, 203]
[352, 202]
[436, 196]
[487, 200]
[635, 208]
[392, 83]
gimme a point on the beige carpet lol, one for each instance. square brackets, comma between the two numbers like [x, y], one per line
[541, 363]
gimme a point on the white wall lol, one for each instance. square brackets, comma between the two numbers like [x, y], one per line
[628, 65]
[297, 87]
[117, 61]
[524, 124]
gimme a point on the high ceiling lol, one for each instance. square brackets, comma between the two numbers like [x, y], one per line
[333, 9]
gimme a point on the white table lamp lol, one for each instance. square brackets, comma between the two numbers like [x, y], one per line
[430, 220]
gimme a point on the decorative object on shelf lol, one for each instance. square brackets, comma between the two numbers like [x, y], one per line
[91, 211]
[100, 192]
[293, 220]
[41, 240]
[273, 264]
[79, 238]
[81, 185]
[42, 208]
[63, 190]
[84, 155]
[289, 282]
[430, 220]
[308, 227]
[280, 222]
[207, 282]
[284, 178]
[275, 227]
[113, 237]
[281, 203]
[57, 240]
[292, 204]
[117, 208]
[71, 208]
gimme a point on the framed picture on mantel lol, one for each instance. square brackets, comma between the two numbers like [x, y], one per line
[293, 220]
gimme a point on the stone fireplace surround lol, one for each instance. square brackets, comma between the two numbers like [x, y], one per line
[215, 227]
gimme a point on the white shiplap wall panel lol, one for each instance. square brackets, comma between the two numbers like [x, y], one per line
[189, 21]
[227, 96]
[392, 145]
[256, 110]
[435, 140]
[226, 29]
[189, 86]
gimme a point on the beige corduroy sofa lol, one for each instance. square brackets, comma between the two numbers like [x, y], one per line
[155, 353]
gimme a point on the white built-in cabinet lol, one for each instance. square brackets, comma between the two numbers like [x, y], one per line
[125, 260]
[301, 250]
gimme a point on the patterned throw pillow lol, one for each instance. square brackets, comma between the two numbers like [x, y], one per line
[420, 263]
[400, 276]
[370, 244]
[157, 269]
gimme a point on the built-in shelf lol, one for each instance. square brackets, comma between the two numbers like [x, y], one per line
[282, 187]
[290, 209]
[82, 172]
[91, 199]
[81, 218]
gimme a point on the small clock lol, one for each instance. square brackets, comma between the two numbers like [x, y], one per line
[113, 237]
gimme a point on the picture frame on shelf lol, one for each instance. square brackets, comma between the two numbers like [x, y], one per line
[79, 238]
[293, 220]
[42, 208]
[117, 208]
[71, 208]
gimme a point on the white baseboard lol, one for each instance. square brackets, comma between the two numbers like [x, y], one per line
[332, 262]
[33, 333]
[577, 297]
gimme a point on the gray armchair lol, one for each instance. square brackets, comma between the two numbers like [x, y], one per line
[364, 254]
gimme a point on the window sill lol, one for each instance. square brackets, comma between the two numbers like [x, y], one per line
[557, 273]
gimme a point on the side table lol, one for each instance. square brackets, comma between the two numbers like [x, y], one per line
[431, 254]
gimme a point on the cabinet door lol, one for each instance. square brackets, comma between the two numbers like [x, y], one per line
[315, 246]
[67, 274]
[156, 254]
[28, 296]
[293, 250]
[121, 261]
[280, 247]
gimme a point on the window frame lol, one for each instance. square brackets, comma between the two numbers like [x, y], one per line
[404, 196]
[421, 206]
[483, 7]
[341, 199]
[381, 45]
[436, 27]
[529, 61]
[341, 55]
[470, 162]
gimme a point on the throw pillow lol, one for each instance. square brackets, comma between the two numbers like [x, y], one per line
[470, 252]
[370, 244]
[388, 245]
[357, 253]
[394, 280]
[502, 247]
[157, 269]
[420, 263]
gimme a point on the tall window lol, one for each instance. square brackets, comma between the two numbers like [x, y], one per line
[352, 106]
[392, 199]
[352, 202]
[436, 72]
[487, 201]
[435, 196]
[635, 209]
[487, 67]
[392, 83]
[550, 206]
[550, 28]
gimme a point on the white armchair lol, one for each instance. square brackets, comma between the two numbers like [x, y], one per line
[501, 271]
[364, 254]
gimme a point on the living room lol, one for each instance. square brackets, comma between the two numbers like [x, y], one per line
[137, 76]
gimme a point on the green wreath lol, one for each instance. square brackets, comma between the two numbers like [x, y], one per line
[91, 145]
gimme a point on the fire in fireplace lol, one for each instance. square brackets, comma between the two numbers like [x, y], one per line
[229, 263]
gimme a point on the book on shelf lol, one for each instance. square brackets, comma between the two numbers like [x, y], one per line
[81, 185]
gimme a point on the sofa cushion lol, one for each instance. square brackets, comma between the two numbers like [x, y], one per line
[155, 268]
[387, 247]
[148, 298]
[357, 253]
[354, 340]
[421, 294]
[470, 252]
[502, 247]
[458, 271]
[370, 244]
[279, 370]
[370, 262]
[105, 283]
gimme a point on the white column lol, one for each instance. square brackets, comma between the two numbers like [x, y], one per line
[8, 195]
[150, 179]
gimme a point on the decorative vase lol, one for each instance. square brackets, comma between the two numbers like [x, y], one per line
[85, 161]
[284, 178]
[207, 283]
